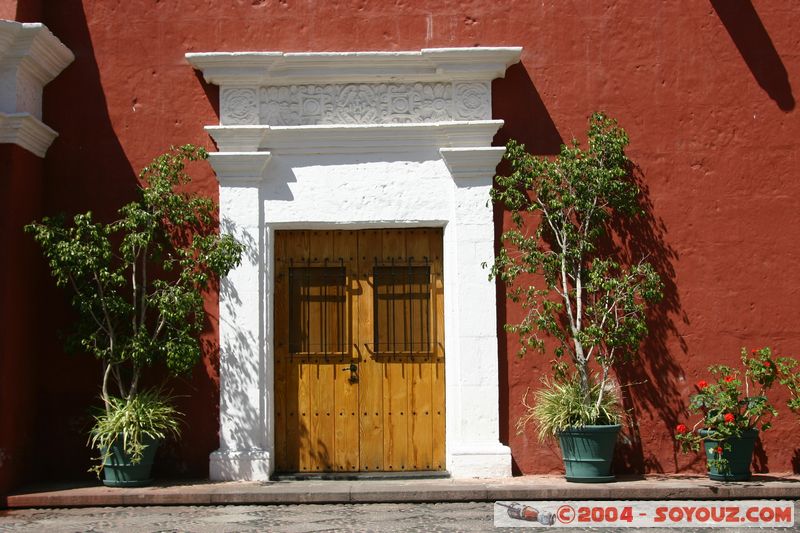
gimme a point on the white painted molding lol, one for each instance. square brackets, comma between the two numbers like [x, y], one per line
[340, 139]
[237, 138]
[426, 65]
[473, 162]
[26, 131]
[301, 89]
[357, 103]
[30, 57]
[239, 168]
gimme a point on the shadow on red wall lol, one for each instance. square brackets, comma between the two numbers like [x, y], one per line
[516, 101]
[751, 38]
[20, 272]
[85, 169]
[650, 380]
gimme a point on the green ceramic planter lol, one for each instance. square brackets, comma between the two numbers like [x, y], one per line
[118, 471]
[739, 457]
[588, 451]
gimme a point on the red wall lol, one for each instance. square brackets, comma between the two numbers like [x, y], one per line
[705, 90]
[20, 311]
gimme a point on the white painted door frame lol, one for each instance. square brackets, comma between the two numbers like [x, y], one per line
[335, 141]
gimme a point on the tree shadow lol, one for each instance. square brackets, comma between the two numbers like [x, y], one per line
[754, 44]
[651, 378]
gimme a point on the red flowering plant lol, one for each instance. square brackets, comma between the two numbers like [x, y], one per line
[737, 401]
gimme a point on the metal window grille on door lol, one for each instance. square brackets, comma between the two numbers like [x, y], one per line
[402, 308]
[317, 310]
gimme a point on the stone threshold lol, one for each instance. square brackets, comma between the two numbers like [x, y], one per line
[204, 492]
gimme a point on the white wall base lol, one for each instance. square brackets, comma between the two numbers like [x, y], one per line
[246, 465]
[479, 460]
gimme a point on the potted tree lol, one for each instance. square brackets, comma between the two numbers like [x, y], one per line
[137, 285]
[734, 408]
[591, 304]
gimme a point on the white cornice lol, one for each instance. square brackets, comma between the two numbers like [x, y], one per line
[278, 68]
[338, 139]
[26, 131]
[473, 162]
[30, 57]
[237, 138]
[35, 48]
[239, 168]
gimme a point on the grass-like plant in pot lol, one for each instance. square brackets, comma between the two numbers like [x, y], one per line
[591, 305]
[137, 285]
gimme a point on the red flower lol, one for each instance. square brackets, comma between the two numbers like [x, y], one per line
[719, 450]
[766, 364]
[681, 428]
[728, 379]
[729, 418]
[702, 384]
[753, 351]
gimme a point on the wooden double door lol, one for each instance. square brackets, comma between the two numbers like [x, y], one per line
[359, 351]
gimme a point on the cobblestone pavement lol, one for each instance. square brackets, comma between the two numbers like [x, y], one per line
[470, 516]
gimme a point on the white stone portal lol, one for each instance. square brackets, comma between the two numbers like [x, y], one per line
[351, 141]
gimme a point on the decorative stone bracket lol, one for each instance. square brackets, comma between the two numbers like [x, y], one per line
[30, 57]
[355, 140]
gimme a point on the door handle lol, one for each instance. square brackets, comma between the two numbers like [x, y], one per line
[353, 368]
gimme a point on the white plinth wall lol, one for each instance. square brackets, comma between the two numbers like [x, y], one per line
[352, 141]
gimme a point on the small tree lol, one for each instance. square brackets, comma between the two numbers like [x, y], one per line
[592, 305]
[137, 282]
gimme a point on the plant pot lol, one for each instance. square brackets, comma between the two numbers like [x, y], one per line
[119, 471]
[588, 451]
[739, 456]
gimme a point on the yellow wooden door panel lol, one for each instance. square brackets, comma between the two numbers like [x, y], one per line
[321, 380]
[389, 414]
[370, 371]
[280, 301]
[395, 386]
[291, 401]
[345, 386]
[421, 382]
[298, 251]
[437, 366]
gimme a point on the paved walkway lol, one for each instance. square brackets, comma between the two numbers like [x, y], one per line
[379, 517]
[419, 490]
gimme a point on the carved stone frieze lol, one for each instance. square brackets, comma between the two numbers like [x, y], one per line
[239, 106]
[360, 103]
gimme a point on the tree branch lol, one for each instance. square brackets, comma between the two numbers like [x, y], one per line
[135, 288]
[106, 374]
[143, 304]
[103, 305]
[91, 312]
